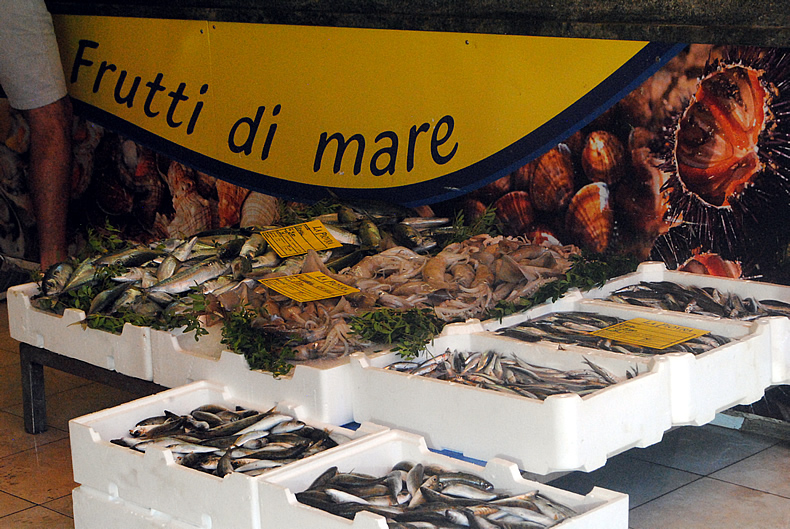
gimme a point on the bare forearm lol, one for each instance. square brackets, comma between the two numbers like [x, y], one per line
[50, 174]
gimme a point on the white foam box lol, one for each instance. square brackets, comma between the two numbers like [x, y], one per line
[321, 387]
[561, 433]
[154, 480]
[702, 385]
[95, 509]
[600, 509]
[780, 326]
[128, 353]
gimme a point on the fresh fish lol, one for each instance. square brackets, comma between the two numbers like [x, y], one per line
[407, 235]
[342, 236]
[369, 234]
[496, 372]
[194, 276]
[167, 267]
[427, 506]
[215, 439]
[691, 299]
[56, 278]
[134, 256]
[421, 223]
[183, 250]
[125, 301]
[230, 250]
[132, 275]
[254, 246]
[84, 274]
[574, 328]
[105, 299]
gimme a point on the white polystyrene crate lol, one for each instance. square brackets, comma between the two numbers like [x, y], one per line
[657, 271]
[561, 433]
[321, 387]
[600, 509]
[702, 385]
[95, 509]
[128, 353]
[780, 326]
[153, 479]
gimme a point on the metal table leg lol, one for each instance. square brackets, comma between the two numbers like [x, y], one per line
[33, 400]
[33, 359]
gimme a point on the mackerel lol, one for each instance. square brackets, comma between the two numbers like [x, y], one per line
[193, 276]
[134, 256]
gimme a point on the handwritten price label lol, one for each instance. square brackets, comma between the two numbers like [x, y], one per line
[649, 333]
[299, 238]
[311, 286]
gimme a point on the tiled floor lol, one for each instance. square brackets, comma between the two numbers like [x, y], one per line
[35, 470]
[697, 477]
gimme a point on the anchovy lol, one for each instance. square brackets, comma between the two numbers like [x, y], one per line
[574, 328]
[691, 299]
[496, 372]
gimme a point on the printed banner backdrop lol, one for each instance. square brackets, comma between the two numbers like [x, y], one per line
[294, 111]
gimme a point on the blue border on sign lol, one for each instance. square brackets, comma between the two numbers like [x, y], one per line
[615, 87]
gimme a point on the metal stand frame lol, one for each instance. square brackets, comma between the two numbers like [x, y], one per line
[32, 361]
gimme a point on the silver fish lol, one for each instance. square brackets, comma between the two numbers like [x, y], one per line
[56, 278]
[194, 276]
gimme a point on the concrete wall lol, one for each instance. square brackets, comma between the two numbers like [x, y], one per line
[754, 22]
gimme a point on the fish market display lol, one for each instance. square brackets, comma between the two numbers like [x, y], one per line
[217, 440]
[427, 496]
[392, 258]
[696, 300]
[574, 328]
[493, 371]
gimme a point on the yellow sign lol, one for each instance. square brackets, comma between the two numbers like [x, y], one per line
[311, 286]
[292, 110]
[649, 333]
[299, 238]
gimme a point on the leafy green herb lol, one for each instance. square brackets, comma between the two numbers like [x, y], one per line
[263, 350]
[291, 215]
[103, 240]
[165, 322]
[586, 272]
[485, 223]
[410, 330]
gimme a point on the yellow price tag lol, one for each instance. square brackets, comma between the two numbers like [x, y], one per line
[311, 286]
[297, 239]
[649, 333]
